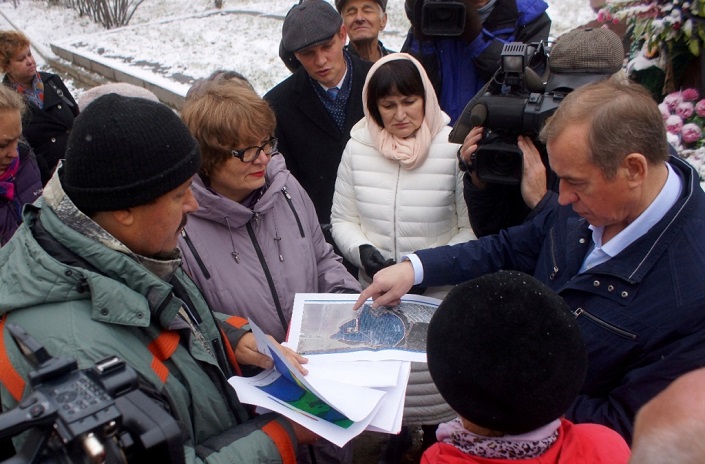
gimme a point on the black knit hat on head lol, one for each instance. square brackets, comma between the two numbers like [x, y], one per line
[506, 353]
[125, 152]
[309, 23]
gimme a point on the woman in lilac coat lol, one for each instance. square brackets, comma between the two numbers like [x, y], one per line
[255, 240]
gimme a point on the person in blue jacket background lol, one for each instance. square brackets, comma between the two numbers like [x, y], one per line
[460, 65]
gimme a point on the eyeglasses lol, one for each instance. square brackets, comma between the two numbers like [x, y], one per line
[249, 154]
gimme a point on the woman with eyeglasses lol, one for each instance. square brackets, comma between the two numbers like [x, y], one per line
[255, 240]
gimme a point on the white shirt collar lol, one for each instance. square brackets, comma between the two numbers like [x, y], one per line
[658, 208]
[339, 84]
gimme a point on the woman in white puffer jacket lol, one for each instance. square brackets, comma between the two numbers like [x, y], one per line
[398, 190]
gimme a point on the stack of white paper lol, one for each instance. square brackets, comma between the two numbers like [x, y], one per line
[358, 365]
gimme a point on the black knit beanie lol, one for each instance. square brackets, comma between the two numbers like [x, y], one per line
[506, 352]
[125, 152]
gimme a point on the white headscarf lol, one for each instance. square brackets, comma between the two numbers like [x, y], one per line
[411, 151]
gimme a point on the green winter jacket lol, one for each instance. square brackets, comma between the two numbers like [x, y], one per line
[118, 309]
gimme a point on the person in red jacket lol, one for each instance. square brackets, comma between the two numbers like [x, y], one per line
[506, 353]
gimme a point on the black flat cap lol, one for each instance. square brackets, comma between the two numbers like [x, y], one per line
[339, 4]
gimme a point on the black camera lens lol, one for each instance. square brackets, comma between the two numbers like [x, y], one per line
[502, 163]
[499, 162]
[443, 18]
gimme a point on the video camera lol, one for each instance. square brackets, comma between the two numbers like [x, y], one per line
[92, 415]
[443, 18]
[513, 103]
[526, 90]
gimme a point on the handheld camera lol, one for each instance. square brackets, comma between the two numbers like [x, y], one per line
[88, 416]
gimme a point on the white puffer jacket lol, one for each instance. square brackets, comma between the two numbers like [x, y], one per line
[399, 211]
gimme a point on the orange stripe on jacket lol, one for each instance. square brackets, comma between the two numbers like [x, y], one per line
[8, 375]
[281, 440]
[237, 321]
[162, 348]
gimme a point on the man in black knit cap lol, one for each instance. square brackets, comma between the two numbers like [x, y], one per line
[95, 272]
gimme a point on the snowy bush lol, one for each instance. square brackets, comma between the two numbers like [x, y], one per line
[108, 13]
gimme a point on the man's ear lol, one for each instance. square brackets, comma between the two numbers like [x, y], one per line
[383, 23]
[343, 34]
[109, 219]
[124, 217]
[118, 223]
[636, 166]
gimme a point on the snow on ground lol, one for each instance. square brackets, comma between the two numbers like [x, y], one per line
[188, 39]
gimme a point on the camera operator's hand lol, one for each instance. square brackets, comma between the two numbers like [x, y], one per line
[372, 260]
[533, 180]
[246, 353]
[467, 149]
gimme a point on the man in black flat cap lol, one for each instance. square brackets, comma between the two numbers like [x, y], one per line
[317, 106]
[364, 20]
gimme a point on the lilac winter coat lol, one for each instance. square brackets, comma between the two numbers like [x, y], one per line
[251, 262]
[28, 187]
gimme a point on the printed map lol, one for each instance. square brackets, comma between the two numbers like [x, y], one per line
[330, 326]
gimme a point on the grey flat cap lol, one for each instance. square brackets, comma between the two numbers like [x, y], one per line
[310, 23]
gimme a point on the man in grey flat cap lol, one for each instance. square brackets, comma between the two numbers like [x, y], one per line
[317, 105]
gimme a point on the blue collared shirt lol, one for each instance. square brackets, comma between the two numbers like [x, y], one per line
[658, 208]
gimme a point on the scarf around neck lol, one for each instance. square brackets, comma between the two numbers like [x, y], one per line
[7, 180]
[412, 151]
[35, 94]
[526, 446]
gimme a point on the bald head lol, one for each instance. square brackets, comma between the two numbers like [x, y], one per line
[670, 428]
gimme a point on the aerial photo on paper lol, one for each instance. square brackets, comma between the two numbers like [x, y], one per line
[333, 327]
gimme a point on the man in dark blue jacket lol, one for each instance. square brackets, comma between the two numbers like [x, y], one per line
[623, 242]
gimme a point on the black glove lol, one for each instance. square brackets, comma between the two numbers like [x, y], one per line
[372, 260]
